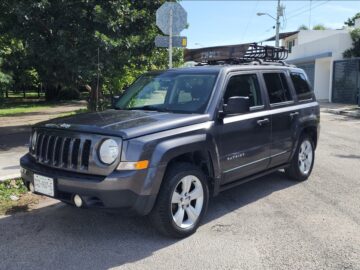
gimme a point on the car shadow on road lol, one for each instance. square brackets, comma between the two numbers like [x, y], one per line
[64, 237]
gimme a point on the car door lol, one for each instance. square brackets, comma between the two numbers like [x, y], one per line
[244, 141]
[283, 118]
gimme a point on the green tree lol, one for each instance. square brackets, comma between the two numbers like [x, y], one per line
[351, 21]
[62, 39]
[303, 27]
[355, 50]
[319, 27]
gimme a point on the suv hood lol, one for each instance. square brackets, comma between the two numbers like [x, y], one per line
[126, 123]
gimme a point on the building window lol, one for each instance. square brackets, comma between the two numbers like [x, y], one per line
[290, 44]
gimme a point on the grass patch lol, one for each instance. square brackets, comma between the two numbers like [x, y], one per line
[20, 94]
[19, 108]
[11, 109]
[14, 197]
[79, 111]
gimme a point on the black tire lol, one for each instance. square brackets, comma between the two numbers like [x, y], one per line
[161, 215]
[294, 170]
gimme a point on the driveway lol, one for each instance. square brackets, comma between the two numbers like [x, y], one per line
[270, 223]
[15, 132]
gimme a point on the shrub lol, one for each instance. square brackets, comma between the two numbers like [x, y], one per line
[68, 94]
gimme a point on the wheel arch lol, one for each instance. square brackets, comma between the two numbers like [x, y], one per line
[196, 149]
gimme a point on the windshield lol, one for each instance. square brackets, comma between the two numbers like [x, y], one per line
[169, 91]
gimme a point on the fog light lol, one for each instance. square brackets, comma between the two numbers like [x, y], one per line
[31, 187]
[78, 201]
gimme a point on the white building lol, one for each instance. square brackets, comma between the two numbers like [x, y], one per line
[315, 51]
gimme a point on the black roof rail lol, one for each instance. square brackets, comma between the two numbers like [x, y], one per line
[250, 53]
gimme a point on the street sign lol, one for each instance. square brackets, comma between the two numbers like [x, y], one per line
[164, 42]
[179, 18]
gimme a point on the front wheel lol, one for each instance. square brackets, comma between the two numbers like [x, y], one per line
[303, 160]
[182, 201]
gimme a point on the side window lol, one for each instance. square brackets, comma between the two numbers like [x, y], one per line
[246, 85]
[302, 88]
[277, 87]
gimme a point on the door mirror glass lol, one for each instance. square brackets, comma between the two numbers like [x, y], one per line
[237, 105]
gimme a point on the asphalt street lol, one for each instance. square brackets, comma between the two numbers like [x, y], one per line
[270, 223]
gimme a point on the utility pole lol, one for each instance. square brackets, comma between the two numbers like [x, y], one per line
[278, 14]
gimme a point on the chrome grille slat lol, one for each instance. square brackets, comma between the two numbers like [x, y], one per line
[69, 159]
[38, 145]
[43, 147]
[48, 149]
[53, 156]
[80, 154]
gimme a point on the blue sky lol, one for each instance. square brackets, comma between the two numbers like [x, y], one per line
[231, 22]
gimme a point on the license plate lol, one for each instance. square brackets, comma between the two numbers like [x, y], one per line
[44, 185]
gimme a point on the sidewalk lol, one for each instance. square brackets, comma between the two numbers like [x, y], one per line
[341, 109]
[15, 132]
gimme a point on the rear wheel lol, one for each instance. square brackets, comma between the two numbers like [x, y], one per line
[303, 160]
[182, 201]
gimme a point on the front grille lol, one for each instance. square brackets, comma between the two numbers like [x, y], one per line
[62, 151]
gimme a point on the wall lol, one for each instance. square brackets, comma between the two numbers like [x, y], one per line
[306, 36]
[337, 44]
[323, 78]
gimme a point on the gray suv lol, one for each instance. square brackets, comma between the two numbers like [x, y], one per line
[176, 138]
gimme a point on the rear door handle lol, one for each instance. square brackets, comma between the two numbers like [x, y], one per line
[292, 115]
[263, 122]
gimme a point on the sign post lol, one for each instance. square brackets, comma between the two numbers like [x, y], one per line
[170, 38]
[171, 18]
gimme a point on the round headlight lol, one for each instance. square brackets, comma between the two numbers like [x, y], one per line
[33, 140]
[109, 151]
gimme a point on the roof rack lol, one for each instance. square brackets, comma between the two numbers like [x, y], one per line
[250, 53]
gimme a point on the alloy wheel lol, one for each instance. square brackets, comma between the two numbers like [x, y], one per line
[187, 201]
[305, 157]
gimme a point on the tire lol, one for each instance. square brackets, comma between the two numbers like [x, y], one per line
[176, 213]
[303, 160]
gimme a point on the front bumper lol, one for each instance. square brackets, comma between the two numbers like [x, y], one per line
[119, 190]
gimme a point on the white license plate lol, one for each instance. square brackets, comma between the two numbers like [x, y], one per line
[44, 185]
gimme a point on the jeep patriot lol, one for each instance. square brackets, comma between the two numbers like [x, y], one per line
[176, 138]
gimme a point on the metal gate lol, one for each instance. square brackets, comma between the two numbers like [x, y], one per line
[346, 81]
[309, 69]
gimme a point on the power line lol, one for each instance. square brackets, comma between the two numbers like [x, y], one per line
[320, 4]
[298, 9]
[251, 19]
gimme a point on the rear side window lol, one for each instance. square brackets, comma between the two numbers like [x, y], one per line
[302, 88]
[277, 87]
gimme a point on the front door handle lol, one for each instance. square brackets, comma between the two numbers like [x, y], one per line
[293, 114]
[263, 122]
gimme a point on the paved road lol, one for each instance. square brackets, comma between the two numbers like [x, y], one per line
[15, 132]
[270, 223]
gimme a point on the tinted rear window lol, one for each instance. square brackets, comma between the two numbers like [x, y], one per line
[302, 88]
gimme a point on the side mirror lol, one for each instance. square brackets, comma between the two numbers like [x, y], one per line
[237, 105]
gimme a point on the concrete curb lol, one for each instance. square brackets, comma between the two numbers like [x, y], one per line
[9, 177]
[352, 112]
